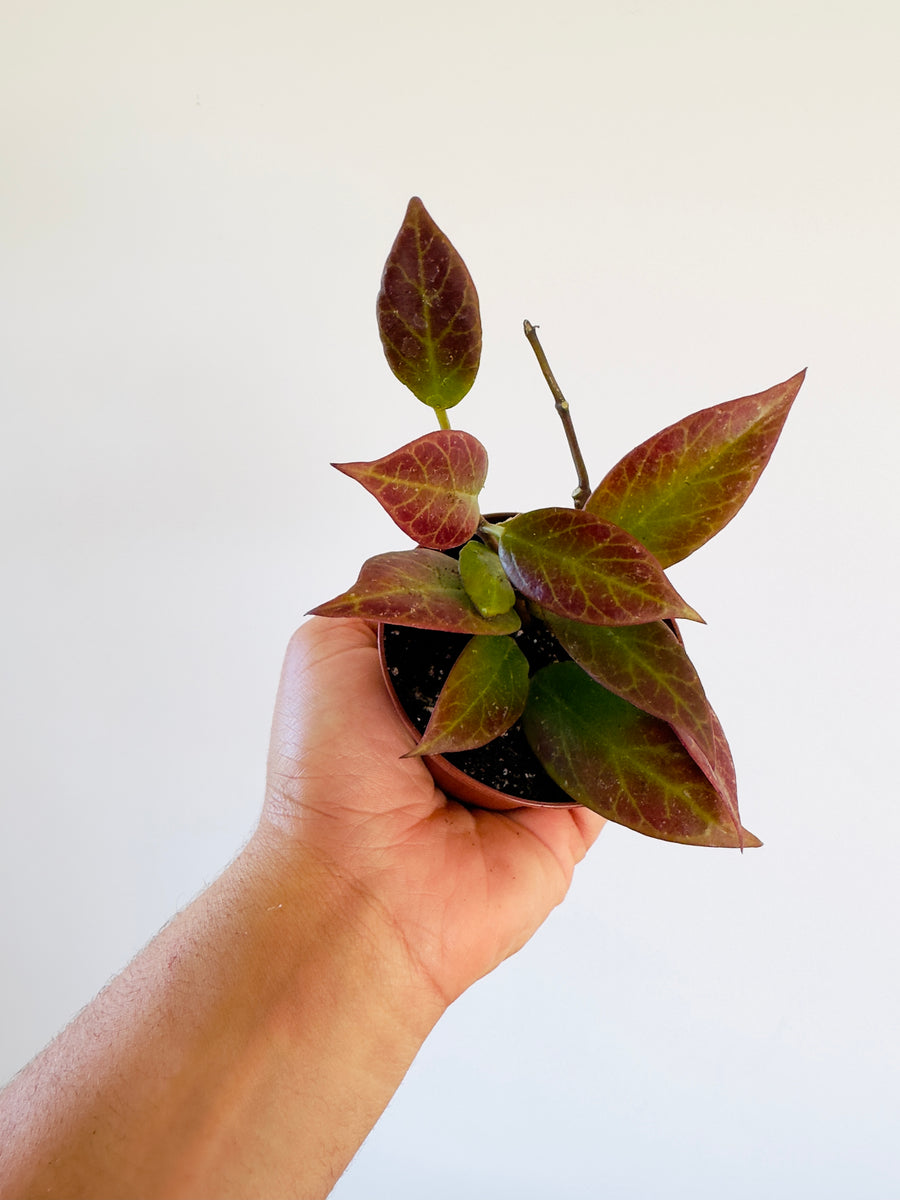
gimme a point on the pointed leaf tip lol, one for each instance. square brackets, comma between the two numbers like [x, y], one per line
[417, 587]
[429, 319]
[623, 763]
[577, 565]
[680, 487]
[429, 487]
[648, 666]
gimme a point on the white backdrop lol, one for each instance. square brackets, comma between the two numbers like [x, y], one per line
[694, 200]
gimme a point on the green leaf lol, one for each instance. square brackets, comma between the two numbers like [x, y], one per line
[483, 696]
[648, 666]
[680, 487]
[428, 314]
[576, 565]
[415, 587]
[429, 487]
[623, 763]
[485, 580]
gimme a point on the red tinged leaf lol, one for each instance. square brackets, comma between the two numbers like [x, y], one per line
[680, 487]
[718, 767]
[648, 666]
[645, 665]
[429, 487]
[428, 314]
[484, 695]
[623, 763]
[579, 566]
[415, 587]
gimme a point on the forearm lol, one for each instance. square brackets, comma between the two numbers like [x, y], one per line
[246, 1052]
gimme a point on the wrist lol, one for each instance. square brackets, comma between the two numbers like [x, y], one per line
[324, 924]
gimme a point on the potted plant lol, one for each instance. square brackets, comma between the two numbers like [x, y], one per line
[537, 655]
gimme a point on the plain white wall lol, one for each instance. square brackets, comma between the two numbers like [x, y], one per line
[694, 200]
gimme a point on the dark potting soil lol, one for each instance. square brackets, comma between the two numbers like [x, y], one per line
[419, 661]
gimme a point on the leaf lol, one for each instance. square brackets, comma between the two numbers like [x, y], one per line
[680, 487]
[428, 314]
[718, 768]
[623, 763]
[485, 580]
[415, 587]
[429, 487]
[483, 696]
[648, 666]
[645, 665]
[576, 565]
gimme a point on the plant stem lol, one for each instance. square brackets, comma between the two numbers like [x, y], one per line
[490, 534]
[443, 419]
[583, 489]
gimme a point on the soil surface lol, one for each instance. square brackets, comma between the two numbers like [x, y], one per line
[419, 661]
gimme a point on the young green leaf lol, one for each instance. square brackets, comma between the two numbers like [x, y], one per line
[429, 487]
[484, 695]
[428, 314]
[485, 580]
[680, 487]
[576, 565]
[623, 763]
[415, 587]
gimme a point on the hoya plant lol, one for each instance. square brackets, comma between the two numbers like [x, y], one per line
[561, 622]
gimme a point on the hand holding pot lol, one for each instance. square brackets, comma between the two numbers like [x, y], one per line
[462, 888]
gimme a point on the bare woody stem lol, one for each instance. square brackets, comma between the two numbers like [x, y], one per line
[583, 489]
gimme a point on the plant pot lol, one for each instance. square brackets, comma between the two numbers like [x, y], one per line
[502, 775]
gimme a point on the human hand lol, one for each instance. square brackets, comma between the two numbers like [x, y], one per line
[461, 888]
